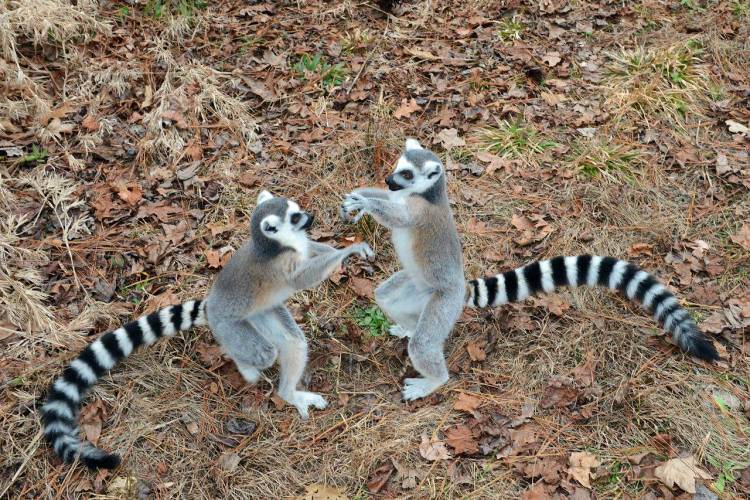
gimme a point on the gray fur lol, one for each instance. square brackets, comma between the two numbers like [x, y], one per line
[245, 307]
[426, 298]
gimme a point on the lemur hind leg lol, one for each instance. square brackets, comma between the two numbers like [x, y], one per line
[246, 345]
[402, 300]
[426, 345]
[292, 346]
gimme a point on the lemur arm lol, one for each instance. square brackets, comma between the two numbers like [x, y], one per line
[388, 213]
[319, 248]
[313, 271]
[371, 192]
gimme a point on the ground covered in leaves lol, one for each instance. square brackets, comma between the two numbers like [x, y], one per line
[134, 137]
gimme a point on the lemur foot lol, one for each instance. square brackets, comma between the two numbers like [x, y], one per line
[415, 388]
[249, 373]
[399, 331]
[302, 400]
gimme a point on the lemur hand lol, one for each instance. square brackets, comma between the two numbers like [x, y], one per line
[354, 202]
[363, 250]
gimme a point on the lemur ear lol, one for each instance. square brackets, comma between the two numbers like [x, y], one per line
[431, 168]
[412, 144]
[264, 196]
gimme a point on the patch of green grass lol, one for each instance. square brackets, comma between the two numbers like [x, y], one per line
[185, 8]
[372, 319]
[741, 8]
[330, 75]
[514, 140]
[509, 29]
[594, 159]
[691, 5]
[123, 12]
[726, 474]
[37, 155]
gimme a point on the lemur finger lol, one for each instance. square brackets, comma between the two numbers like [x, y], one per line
[358, 216]
[367, 252]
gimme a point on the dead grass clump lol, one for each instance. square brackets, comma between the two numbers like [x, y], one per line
[191, 98]
[649, 84]
[42, 22]
[22, 299]
[609, 160]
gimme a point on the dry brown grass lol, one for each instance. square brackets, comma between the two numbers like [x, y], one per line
[170, 410]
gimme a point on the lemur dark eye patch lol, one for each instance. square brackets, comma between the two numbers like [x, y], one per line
[270, 228]
[433, 174]
[295, 218]
[407, 174]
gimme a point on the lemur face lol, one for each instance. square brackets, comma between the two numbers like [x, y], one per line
[281, 219]
[417, 170]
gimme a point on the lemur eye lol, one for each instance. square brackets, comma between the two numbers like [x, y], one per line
[295, 218]
[407, 174]
[433, 174]
[270, 228]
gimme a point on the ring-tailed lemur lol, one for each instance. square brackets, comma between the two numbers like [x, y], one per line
[426, 298]
[244, 309]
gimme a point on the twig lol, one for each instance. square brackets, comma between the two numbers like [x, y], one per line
[28, 453]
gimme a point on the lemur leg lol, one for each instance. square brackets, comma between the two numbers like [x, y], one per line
[426, 345]
[292, 345]
[247, 345]
[402, 300]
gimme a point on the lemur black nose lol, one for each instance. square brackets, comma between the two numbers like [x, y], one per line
[392, 184]
[308, 221]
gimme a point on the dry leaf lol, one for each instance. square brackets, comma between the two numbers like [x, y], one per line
[433, 449]
[379, 477]
[476, 352]
[322, 492]
[90, 123]
[539, 491]
[581, 463]
[363, 287]
[460, 438]
[554, 303]
[552, 58]
[450, 139]
[130, 193]
[559, 393]
[406, 108]
[229, 460]
[682, 472]
[738, 128]
[213, 258]
[742, 237]
[584, 373]
[467, 402]
[422, 54]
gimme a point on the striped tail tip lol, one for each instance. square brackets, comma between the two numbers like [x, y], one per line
[694, 342]
[94, 459]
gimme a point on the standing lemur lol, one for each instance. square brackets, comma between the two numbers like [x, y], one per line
[426, 298]
[244, 309]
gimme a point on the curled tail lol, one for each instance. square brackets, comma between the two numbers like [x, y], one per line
[588, 270]
[59, 413]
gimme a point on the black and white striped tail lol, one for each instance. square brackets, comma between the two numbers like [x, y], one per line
[59, 413]
[588, 270]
